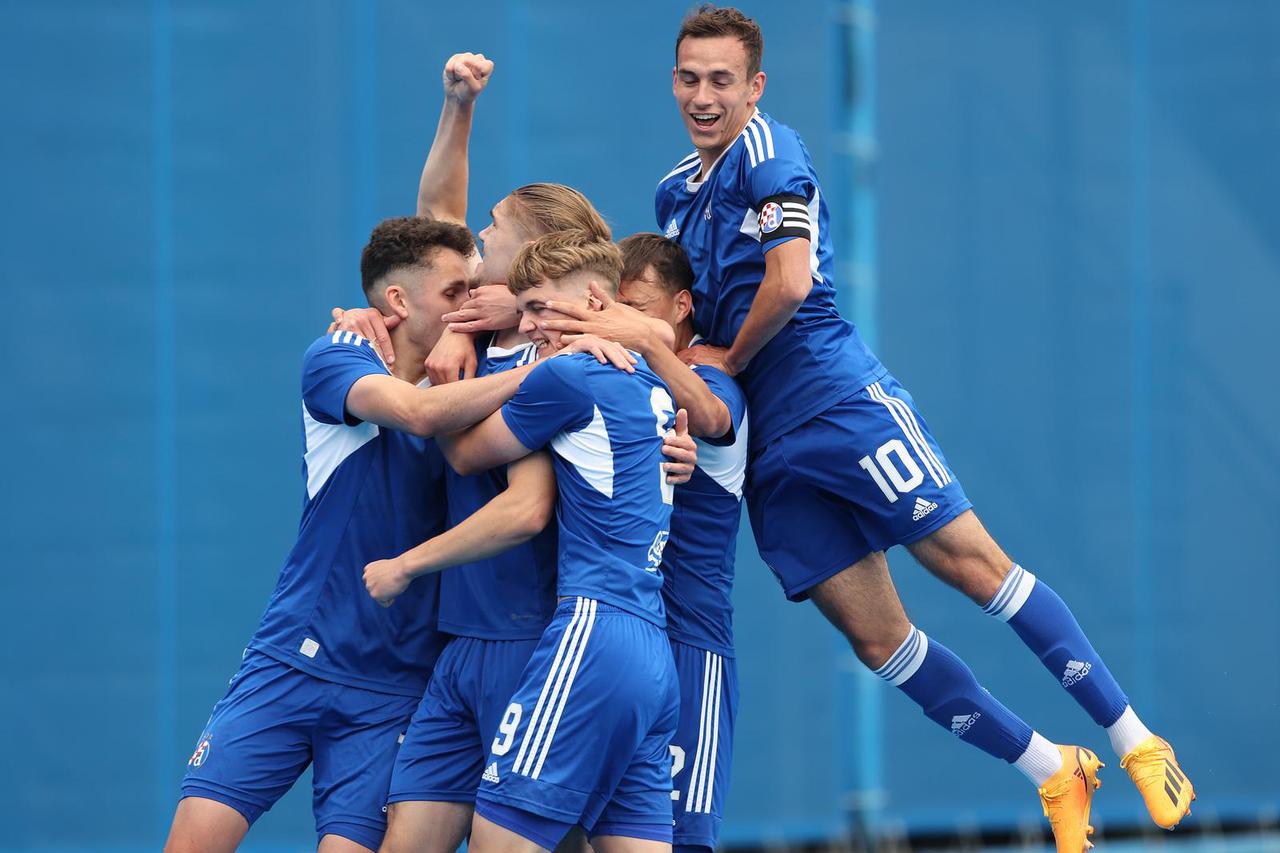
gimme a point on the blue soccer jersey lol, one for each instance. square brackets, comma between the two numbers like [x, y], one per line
[511, 595]
[604, 427]
[698, 562]
[760, 193]
[371, 493]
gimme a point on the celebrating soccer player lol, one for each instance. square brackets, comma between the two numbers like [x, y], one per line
[747, 207]
[698, 563]
[329, 677]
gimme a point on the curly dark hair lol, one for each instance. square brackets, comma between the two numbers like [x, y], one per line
[669, 262]
[409, 241]
[709, 21]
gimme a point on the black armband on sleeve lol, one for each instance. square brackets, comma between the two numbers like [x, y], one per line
[784, 215]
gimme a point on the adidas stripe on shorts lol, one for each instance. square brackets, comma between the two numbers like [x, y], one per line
[860, 477]
[703, 745]
[586, 736]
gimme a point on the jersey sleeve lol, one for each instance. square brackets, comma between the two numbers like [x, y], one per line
[329, 369]
[723, 386]
[780, 186]
[551, 399]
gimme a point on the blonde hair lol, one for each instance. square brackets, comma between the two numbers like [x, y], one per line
[545, 208]
[563, 253]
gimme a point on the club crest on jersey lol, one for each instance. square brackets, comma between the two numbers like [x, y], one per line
[655, 550]
[201, 755]
[673, 230]
[770, 218]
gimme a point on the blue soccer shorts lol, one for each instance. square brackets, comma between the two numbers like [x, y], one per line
[444, 751]
[274, 721]
[860, 477]
[586, 736]
[703, 745]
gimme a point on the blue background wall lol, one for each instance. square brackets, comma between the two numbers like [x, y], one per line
[1072, 264]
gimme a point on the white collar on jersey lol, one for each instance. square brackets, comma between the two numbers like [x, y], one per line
[693, 184]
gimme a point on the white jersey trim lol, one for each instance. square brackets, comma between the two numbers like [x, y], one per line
[588, 450]
[328, 446]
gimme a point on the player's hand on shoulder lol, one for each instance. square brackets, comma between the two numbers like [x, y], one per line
[369, 324]
[680, 448]
[717, 357]
[466, 75]
[453, 357]
[605, 352]
[386, 579]
[489, 308]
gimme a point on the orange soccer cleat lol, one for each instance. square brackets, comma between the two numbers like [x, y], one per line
[1164, 787]
[1066, 798]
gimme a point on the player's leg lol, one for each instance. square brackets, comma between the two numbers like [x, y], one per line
[355, 746]
[626, 844]
[963, 554]
[438, 766]
[205, 826]
[253, 748]
[828, 511]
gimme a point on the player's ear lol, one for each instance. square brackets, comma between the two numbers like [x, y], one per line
[757, 87]
[396, 302]
[684, 305]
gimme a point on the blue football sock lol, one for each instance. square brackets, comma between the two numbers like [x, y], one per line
[1045, 624]
[941, 684]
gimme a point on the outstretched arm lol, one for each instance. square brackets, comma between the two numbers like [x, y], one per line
[396, 404]
[515, 515]
[442, 189]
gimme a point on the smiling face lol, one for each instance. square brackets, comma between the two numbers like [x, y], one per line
[715, 91]
[575, 288]
[502, 240]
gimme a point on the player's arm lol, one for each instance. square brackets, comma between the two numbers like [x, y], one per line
[786, 285]
[514, 515]
[486, 445]
[708, 415]
[396, 404]
[442, 189]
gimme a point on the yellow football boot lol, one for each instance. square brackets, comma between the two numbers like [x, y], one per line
[1164, 787]
[1066, 798]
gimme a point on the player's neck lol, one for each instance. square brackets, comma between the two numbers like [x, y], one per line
[709, 156]
[410, 359]
[684, 335]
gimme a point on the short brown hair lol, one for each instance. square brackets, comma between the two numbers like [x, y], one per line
[554, 256]
[669, 262]
[409, 241]
[544, 208]
[711, 21]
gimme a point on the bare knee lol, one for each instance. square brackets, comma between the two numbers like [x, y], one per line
[862, 604]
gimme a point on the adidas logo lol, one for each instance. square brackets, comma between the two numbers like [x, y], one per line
[1075, 672]
[923, 508]
[962, 723]
[491, 772]
[673, 230]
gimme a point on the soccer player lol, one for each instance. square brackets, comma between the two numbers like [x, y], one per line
[842, 465]
[495, 607]
[329, 677]
[585, 737]
[698, 563]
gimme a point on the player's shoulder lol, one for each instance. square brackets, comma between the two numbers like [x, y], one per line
[681, 171]
[766, 139]
[343, 344]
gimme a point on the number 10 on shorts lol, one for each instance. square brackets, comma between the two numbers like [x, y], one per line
[884, 469]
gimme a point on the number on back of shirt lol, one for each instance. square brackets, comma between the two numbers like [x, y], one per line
[507, 729]
[887, 469]
[663, 410]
